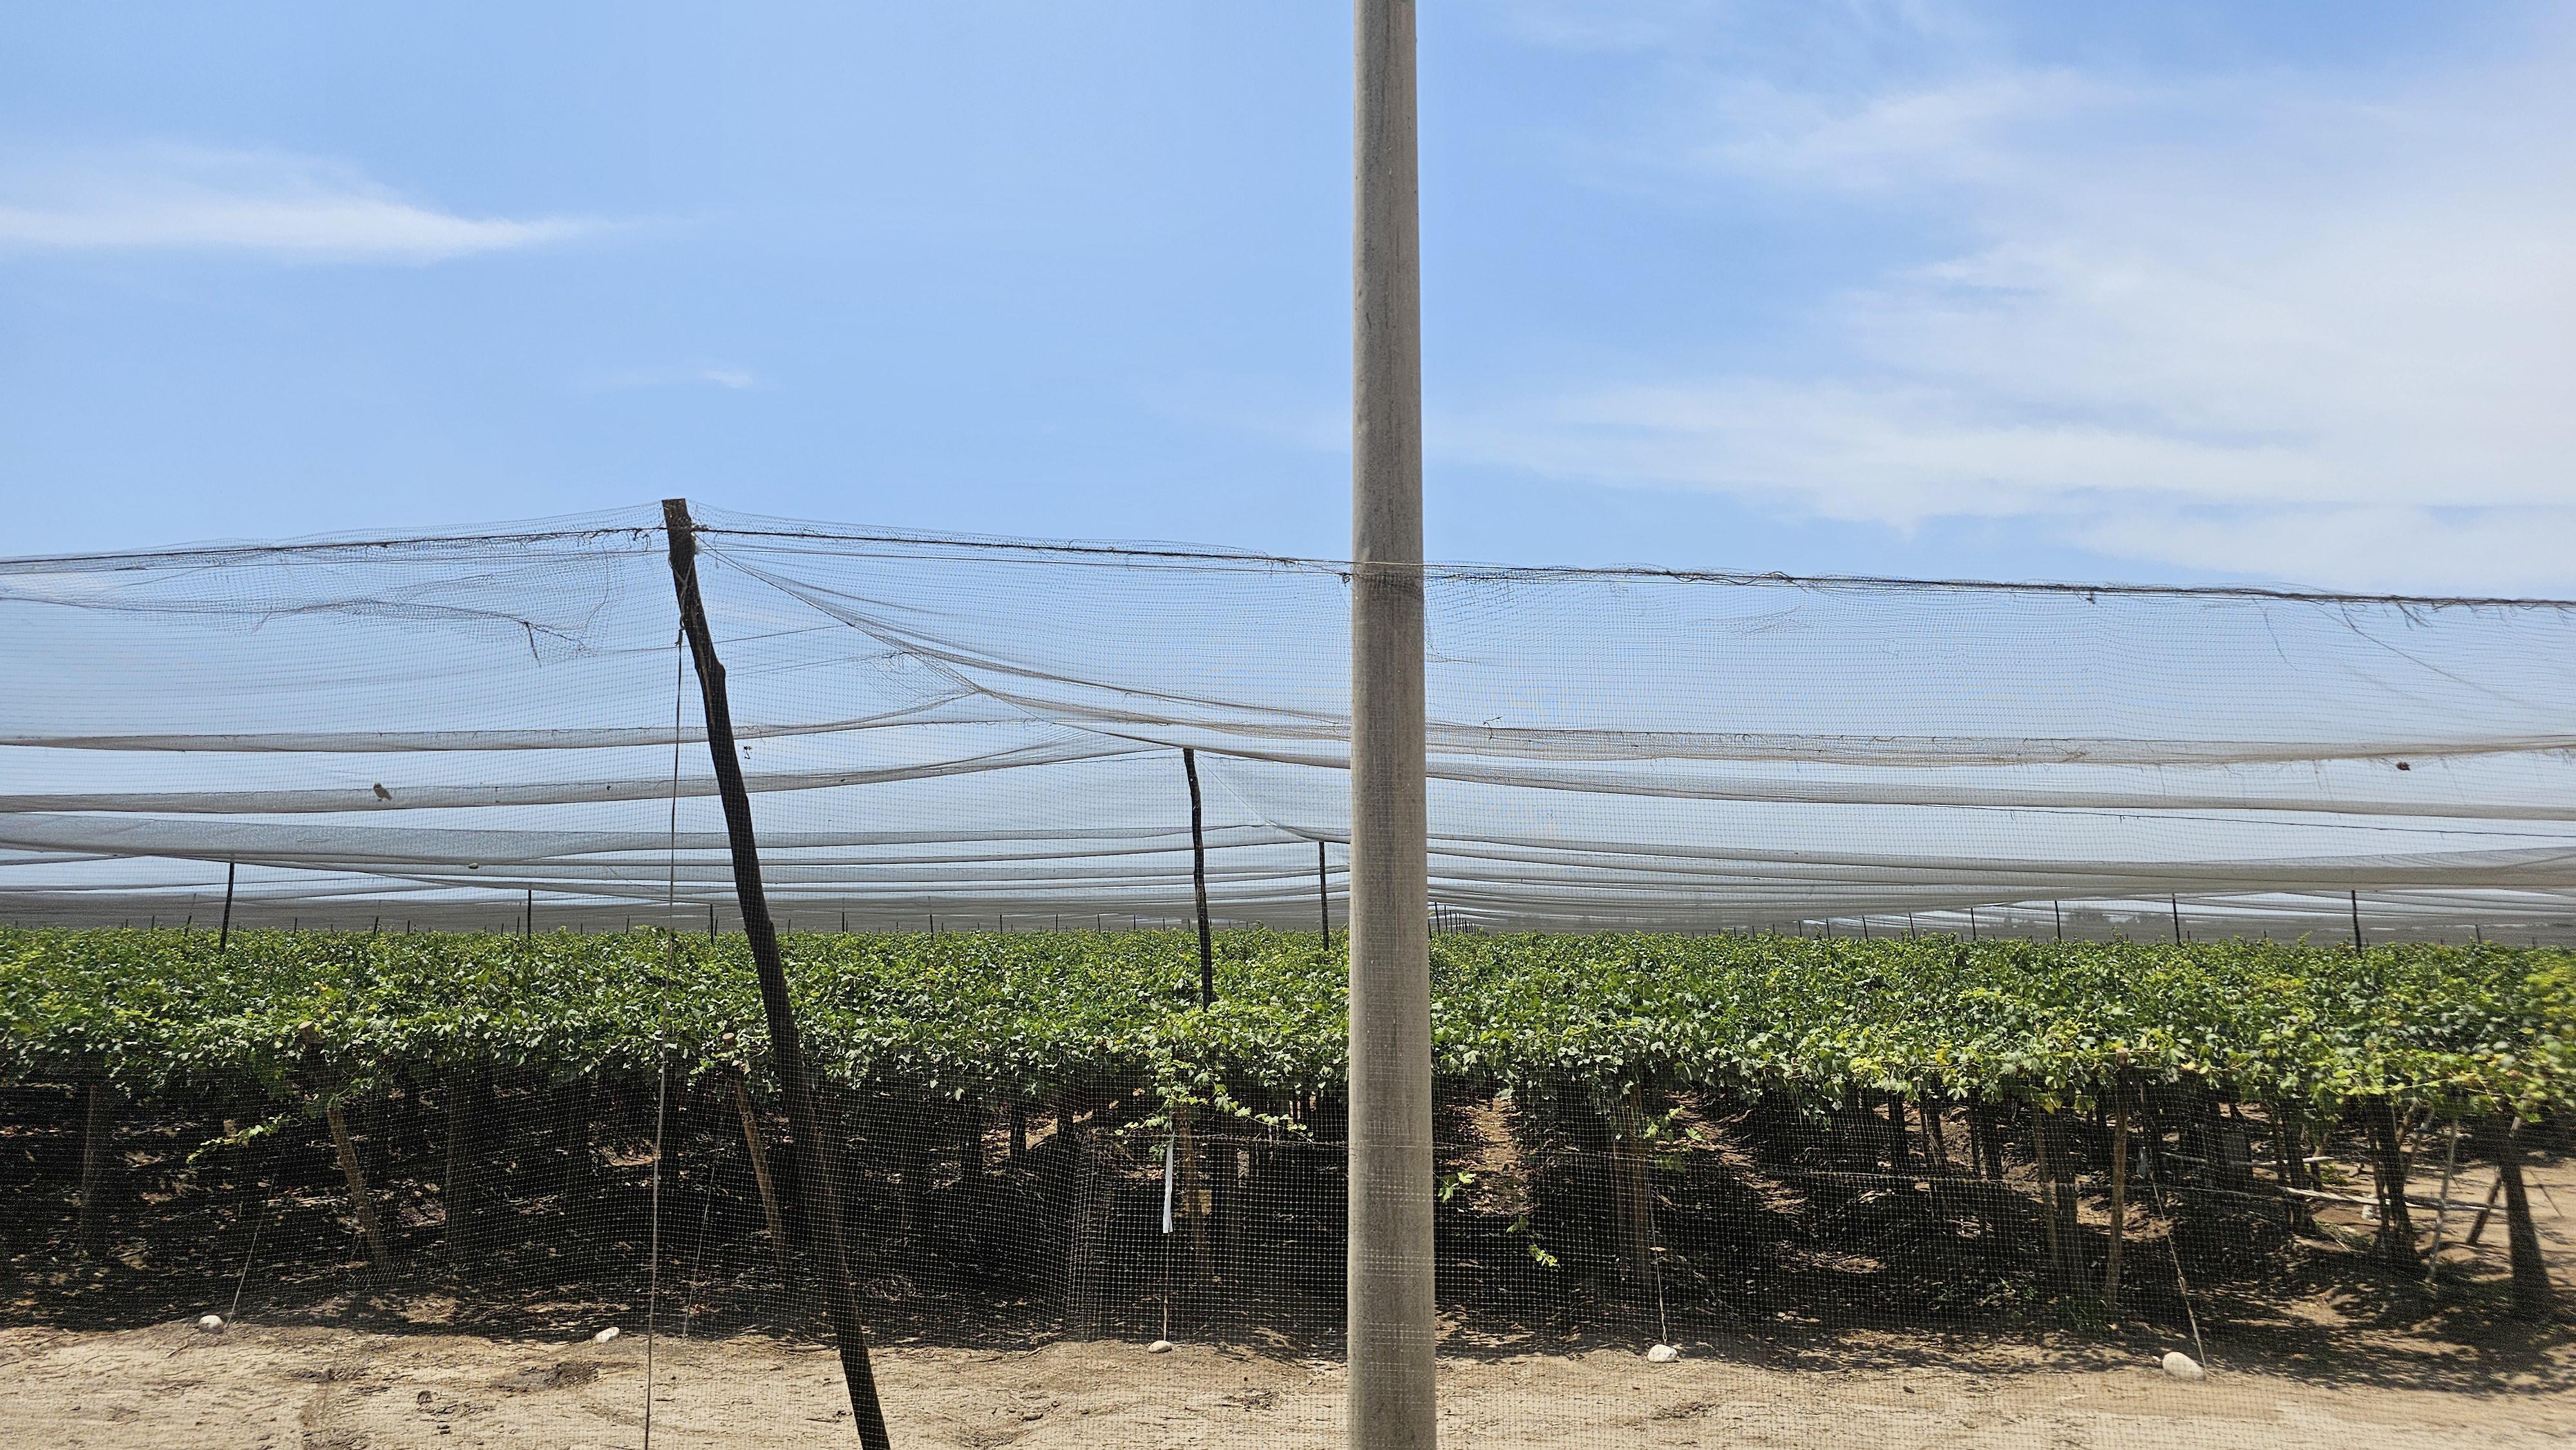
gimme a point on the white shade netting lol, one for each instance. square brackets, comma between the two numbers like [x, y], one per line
[446, 728]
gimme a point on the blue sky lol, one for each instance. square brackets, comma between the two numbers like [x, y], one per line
[2191, 291]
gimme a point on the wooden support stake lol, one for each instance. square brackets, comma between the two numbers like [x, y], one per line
[98, 1144]
[2534, 1298]
[818, 1177]
[1323, 897]
[2478, 1227]
[224, 938]
[2119, 1186]
[1635, 1188]
[759, 1152]
[1198, 881]
[456, 1190]
[2442, 1201]
[361, 1201]
[2388, 1171]
[2057, 1192]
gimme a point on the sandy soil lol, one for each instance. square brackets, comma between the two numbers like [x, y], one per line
[170, 1385]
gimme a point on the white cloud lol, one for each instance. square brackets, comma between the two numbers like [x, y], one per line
[169, 198]
[2289, 326]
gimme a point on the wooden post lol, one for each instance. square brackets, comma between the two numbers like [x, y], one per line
[2059, 917]
[2176, 903]
[224, 938]
[2388, 1171]
[1635, 1189]
[1198, 881]
[818, 1178]
[98, 1149]
[2119, 1185]
[456, 1189]
[1323, 897]
[361, 1201]
[2057, 1186]
[2442, 1200]
[2478, 1225]
[2534, 1299]
[1988, 1134]
[2357, 944]
[1393, 1336]
[759, 1154]
[1192, 1186]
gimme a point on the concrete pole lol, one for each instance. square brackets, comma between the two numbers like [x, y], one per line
[1392, 1333]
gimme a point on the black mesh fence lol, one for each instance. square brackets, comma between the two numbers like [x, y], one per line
[1864, 1011]
[1186, 1264]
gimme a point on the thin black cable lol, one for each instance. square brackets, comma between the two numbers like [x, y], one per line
[266, 1198]
[661, 1064]
[1129, 555]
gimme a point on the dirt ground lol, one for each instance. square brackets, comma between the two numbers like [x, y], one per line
[2345, 1366]
[171, 1386]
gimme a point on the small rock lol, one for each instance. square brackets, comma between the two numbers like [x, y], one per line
[211, 1323]
[2182, 1366]
[1662, 1354]
[1159, 1346]
[605, 1335]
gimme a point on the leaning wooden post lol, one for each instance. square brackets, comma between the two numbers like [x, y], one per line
[2478, 1225]
[759, 1153]
[818, 1176]
[2119, 1183]
[361, 1199]
[1198, 881]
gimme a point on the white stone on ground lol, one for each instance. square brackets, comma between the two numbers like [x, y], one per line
[605, 1335]
[211, 1323]
[1159, 1346]
[1662, 1354]
[2182, 1366]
